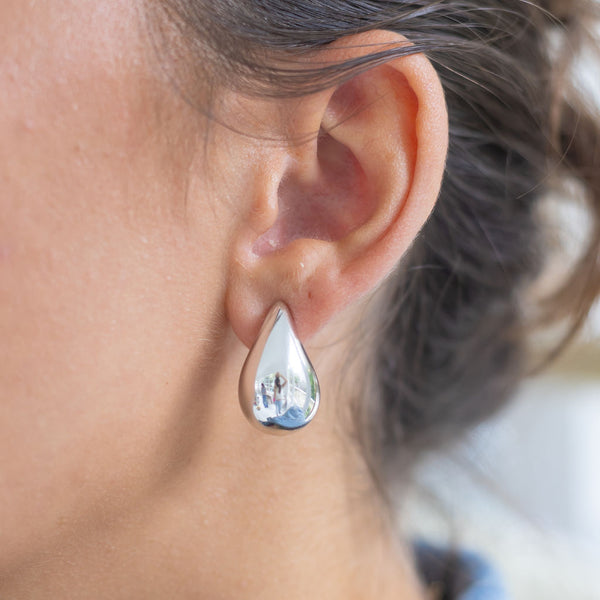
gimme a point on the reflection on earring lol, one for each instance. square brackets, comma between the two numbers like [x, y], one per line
[279, 389]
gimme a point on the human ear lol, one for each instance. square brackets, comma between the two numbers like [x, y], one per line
[333, 215]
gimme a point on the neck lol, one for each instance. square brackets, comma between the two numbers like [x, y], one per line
[237, 514]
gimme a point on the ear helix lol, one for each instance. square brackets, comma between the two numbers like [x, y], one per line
[278, 388]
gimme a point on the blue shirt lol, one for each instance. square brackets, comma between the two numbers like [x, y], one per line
[458, 574]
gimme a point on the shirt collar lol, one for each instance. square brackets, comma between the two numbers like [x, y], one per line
[458, 574]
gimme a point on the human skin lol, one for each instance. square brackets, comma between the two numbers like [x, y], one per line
[136, 264]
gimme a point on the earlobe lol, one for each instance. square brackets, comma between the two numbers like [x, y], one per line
[340, 210]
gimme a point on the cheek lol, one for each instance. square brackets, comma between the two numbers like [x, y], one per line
[95, 306]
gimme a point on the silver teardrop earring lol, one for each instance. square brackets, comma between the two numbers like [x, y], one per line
[278, 389]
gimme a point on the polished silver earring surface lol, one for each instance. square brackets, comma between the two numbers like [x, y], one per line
[279, 389]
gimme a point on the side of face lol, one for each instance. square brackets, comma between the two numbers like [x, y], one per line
[141, 248]
[98, 320]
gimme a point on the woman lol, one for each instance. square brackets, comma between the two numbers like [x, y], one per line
[172, 169]
[280, 382]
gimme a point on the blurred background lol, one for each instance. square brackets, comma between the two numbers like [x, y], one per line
[524, 489]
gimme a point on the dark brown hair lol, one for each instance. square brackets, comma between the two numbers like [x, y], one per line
[451, 339]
